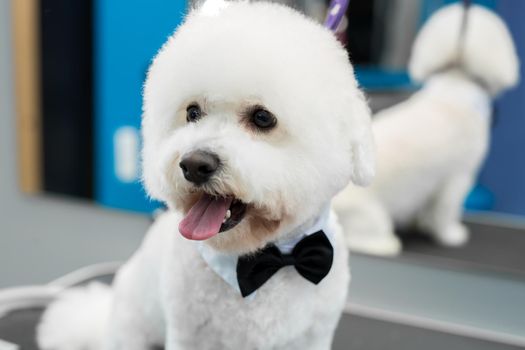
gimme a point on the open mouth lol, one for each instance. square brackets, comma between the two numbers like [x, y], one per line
[211, 215]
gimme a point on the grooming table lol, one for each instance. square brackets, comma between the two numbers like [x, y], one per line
[492, 247]
[21, 309]
[354, 333]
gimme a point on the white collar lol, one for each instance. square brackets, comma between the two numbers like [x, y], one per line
[456, 86]
[225, 265]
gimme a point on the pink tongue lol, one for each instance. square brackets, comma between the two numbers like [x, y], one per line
[205, 218]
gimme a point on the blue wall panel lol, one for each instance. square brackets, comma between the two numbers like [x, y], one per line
[128, 33]
[504, 171]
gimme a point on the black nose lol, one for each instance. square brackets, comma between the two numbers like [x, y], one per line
[199, 166]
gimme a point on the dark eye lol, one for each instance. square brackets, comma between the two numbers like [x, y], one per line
[263, 119]
[193, 113]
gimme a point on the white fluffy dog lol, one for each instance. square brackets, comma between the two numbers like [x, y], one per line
[430, 147]
[253, 121]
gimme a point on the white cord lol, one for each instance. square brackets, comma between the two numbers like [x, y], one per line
[39, 296]
[8, 346]
[85, 274]
[26, 297]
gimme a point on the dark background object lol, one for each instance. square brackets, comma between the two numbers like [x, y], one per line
[361, 28]
[67, 103]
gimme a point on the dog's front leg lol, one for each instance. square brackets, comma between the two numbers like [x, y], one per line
[367, 225]
[442, 216]
[136, 320]
[171, 342]
[126, 329]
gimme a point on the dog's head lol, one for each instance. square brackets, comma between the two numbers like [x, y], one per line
[253, 121]
[479, 42]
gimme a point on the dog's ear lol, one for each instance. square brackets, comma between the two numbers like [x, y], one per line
[362, 146]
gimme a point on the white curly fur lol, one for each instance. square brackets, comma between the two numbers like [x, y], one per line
[429, 148]
[83, 314]
[228, 57]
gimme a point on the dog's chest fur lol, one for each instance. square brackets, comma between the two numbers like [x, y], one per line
[201, 311]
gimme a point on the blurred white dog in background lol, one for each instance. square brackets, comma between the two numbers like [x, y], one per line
[430, 148]
[253, 121]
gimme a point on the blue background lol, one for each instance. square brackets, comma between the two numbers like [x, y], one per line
[127, 36]
[504, 171]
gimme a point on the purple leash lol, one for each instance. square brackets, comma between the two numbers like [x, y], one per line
[336, 12]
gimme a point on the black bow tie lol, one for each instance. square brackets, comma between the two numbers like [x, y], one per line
[312, 258]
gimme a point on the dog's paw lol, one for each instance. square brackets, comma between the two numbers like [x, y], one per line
[455, 235]
[383, 245]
